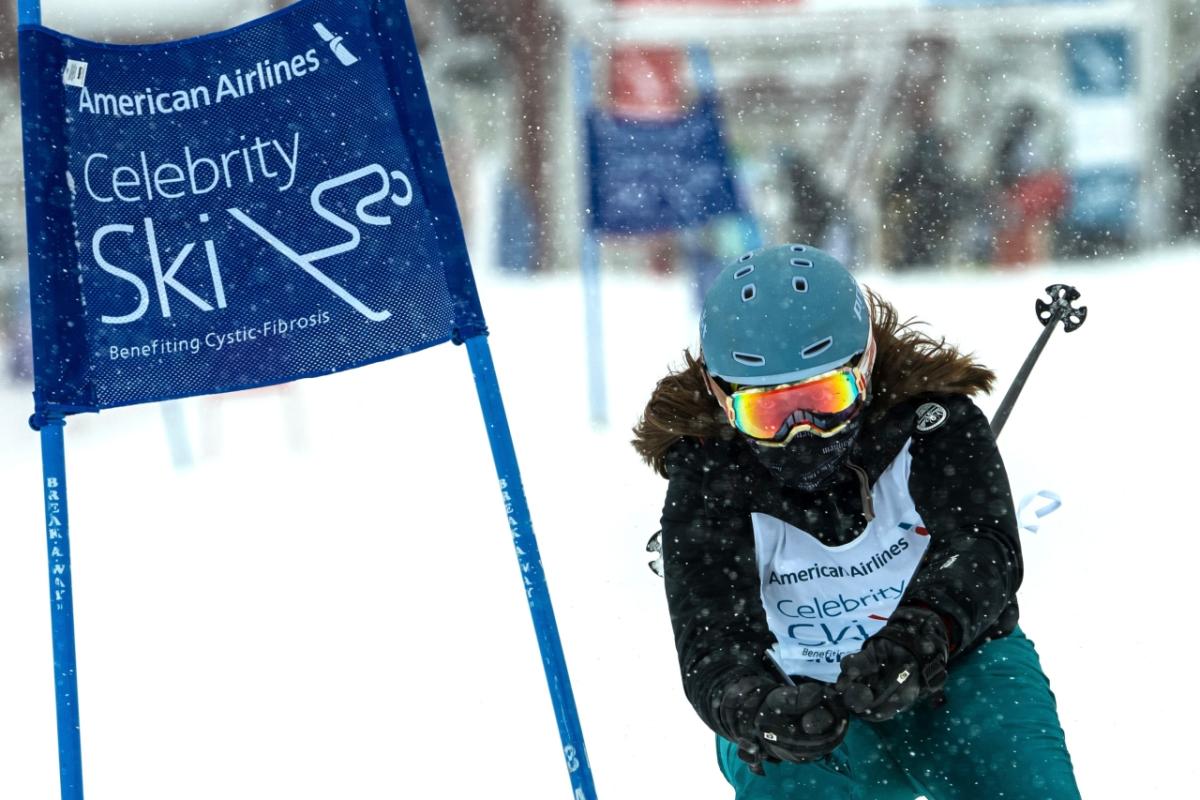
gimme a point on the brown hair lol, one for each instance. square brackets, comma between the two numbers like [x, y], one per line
[908, 362]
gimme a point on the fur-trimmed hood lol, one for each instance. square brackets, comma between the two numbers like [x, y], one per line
[908, 363]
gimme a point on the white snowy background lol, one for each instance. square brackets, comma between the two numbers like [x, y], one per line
[327, 603]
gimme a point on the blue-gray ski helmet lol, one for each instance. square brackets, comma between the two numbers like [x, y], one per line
[782, 314]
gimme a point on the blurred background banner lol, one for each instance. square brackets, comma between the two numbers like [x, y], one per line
[1103, 129]
[658, 175]
[737, 3]
[236, 210]
[979, 3]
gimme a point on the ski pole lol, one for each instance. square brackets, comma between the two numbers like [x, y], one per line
[1059, 309]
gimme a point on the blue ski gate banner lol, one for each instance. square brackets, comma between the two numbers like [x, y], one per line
[239, 209]
[648, 176]
[244, 208]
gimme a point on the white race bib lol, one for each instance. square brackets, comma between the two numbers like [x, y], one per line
[823, 602]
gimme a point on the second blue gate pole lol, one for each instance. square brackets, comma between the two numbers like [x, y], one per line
[590, 253]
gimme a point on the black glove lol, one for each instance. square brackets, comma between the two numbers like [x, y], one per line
[901, 664]
[773, 722]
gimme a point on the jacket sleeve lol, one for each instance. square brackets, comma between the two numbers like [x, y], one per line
[712, 584]
[972, 569]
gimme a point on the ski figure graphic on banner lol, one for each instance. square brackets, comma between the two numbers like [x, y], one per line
[305, 262]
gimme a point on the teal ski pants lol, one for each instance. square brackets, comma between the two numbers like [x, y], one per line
[997, 736]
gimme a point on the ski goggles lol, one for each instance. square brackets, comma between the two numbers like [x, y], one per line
[823, 405]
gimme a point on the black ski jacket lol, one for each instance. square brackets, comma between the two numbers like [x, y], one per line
[969, 575]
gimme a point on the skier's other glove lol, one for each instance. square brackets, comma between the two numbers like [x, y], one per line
[774, 722]
[900, 665]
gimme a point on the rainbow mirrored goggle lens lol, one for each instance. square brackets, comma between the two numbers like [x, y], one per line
[822, 405]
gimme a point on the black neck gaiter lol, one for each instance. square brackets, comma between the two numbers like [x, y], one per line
[809, 462]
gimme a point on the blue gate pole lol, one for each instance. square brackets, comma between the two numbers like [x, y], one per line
[177, 436]
[58, 550]
[29, 12]
[62, 615]
[702, 67]
[590, 255]
[706, 82]
[530, 562]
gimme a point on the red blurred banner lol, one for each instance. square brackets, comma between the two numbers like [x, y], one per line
[645, 81]
[708, 2]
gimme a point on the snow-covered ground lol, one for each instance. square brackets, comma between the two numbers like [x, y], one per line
[326, 604]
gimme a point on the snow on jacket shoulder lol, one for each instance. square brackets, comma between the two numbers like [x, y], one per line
[969, 574]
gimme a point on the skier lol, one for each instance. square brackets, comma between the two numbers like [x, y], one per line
[840, 550]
